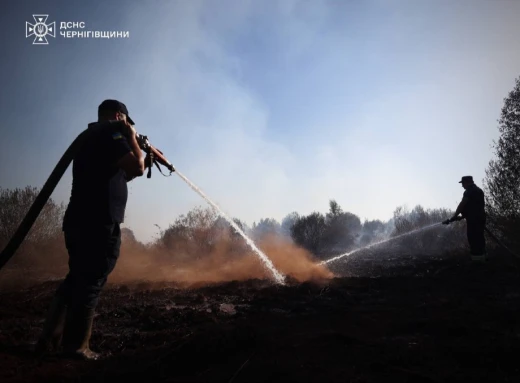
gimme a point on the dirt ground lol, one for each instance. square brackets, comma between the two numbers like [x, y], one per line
[411, 319]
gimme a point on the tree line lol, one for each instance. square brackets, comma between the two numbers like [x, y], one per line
[321, 233]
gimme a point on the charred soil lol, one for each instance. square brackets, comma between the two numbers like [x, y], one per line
[423, 320]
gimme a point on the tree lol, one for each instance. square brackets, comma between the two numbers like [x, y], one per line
[192, 233]
[266, 226]
[222, 226]
[374, 227]
[435, 239]
[502, 182]
[371, 231]
[342, 228]
[14, 205]
[240, 224]
[334, 210]
[288, 222]
[406, 221]
[308, 231]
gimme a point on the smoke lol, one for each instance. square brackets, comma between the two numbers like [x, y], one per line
[141, 263]
[222, 264]
[198, 250]
[33, 263]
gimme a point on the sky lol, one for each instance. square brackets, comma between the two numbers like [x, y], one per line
[268, 106]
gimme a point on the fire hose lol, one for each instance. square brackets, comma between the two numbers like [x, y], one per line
[154, 157]
[490, 233]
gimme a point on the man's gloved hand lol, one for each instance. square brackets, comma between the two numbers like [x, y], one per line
[452, 219]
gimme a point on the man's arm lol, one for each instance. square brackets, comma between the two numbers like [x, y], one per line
[460, 208]
[132, 163]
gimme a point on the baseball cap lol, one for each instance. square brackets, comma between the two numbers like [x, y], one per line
[466, 179]
[117, 106]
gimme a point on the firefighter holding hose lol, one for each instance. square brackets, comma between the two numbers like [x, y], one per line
[472, 208]
[107, 160]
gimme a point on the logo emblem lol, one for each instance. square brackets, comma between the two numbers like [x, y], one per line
[40, 29]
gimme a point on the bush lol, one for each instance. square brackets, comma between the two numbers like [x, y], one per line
[14, 205]
[197, 234]
[435, 239]
[42, 254]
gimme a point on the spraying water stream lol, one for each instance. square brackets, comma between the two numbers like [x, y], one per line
[378, 243]
[279, 278]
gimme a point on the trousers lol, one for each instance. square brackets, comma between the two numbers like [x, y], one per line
[93, 253]
[476, 238]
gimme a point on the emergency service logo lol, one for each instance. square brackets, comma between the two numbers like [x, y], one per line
[40, 29]
[68, 30]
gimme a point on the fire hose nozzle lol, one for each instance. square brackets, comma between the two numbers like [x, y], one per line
[170, 167]
[154, 155]
[450, 220]
[143, 142]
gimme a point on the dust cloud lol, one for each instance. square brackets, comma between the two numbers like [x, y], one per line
[185, 266]
[222, 264]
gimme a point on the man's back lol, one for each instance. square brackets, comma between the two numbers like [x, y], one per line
[475, 207]
[99, 191]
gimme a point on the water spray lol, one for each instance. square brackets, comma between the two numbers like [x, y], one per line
[378, 243]
[153, 157]
[279, 278]
[156, 157]
[490, 233]
[446, 222]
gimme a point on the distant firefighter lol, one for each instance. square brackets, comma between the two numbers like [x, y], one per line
[472, 209]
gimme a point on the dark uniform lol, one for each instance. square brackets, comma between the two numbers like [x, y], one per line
[475, 215]
[95, 211]
[92, 235]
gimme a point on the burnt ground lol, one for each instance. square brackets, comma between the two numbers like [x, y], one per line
[424, 319]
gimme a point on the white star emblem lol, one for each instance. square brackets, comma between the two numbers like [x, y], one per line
[40, 29]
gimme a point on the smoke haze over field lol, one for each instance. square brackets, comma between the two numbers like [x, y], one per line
[218, 266]
[269, 107]
[140, 264]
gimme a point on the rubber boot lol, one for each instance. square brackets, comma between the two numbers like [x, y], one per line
[76, 335]
[51, 336]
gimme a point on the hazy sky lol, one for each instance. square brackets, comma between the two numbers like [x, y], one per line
[269, 106]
